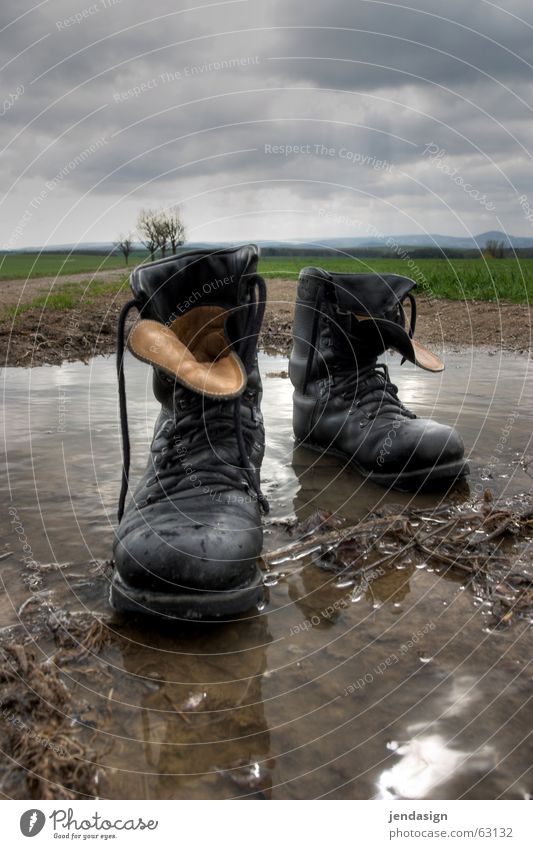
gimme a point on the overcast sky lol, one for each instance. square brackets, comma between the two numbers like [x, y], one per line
[283, 119]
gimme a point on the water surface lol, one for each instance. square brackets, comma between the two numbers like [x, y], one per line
[304, 698]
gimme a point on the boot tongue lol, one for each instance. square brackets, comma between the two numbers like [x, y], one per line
[377, 322]
[194, 350]
[375, 336]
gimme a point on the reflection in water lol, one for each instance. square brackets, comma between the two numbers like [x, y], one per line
[428, 761]
[312, 696]
[194, 714]
[426, 764]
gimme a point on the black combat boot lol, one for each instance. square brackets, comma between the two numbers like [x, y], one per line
[188, 543]
[344, 401]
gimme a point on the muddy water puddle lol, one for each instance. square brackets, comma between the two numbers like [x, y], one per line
[395, 687]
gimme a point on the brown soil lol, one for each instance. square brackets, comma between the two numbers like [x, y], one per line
[37, 336]
[441, 324]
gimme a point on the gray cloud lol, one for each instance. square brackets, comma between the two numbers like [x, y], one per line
[179, 106]
[393, 43]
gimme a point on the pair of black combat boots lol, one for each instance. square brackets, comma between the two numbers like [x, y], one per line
[189, 540]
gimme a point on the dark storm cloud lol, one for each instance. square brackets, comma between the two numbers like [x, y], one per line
[375, 43]
[186, 101]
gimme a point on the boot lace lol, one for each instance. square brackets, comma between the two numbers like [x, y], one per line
[370, 388]
[180, 445]
[369, 385]
[185, 436]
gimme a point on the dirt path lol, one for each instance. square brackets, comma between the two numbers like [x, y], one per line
[440, 323]
[14, 291]
[36, 337]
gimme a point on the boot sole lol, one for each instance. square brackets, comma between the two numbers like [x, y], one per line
[433, 476]
[192, 605]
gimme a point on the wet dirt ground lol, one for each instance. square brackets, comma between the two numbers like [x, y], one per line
[399, 688]
[36, 337]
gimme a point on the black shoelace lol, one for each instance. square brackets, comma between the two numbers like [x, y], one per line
[180, 454]
[227, 427]
[369, 387]
[368, 384]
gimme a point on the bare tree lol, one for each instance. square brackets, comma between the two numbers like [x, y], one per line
[175, 227]
[147, 225]
[125, 245]
[161, 231]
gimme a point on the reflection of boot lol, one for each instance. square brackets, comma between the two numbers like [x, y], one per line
[206, 737]
[316, 594]
[188, 542]
[388, 585]
[344, 402]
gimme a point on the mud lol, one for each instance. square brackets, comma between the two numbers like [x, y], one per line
[38, 337]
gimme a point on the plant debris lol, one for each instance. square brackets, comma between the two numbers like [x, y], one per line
[487, 542]
[47, 754]
[323, 520]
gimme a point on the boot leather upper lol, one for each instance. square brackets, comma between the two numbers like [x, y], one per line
[345, 402]
[192, 522]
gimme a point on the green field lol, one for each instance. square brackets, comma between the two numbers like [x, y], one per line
[457, 279]
[25, 266]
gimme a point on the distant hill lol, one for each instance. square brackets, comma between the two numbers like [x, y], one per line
[80, 248]
[421, 240]
[436, 240]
